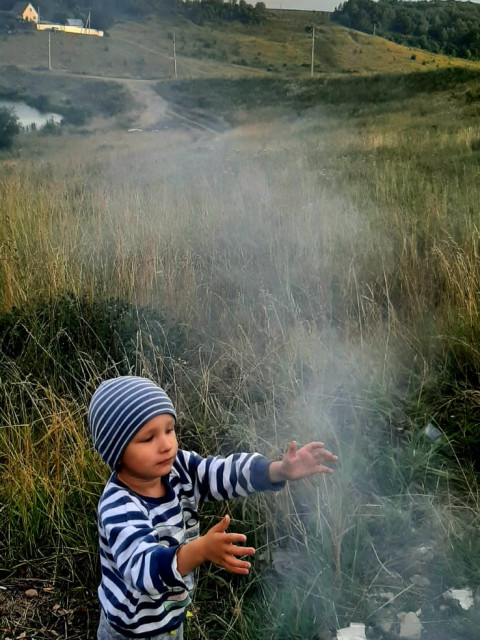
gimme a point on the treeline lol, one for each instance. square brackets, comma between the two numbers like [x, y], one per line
[441, 26]
[103, 13]
[231, 11]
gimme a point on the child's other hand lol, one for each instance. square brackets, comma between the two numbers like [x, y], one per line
[220, 549]
[300, 463]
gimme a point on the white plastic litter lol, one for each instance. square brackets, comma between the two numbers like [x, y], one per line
[410, 625]
[433, 433]
[463, 596]
[356, 631]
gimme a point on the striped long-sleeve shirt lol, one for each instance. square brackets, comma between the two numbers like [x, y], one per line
[141, 591]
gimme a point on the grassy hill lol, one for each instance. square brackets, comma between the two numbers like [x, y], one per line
[94, 76]
[281, 46]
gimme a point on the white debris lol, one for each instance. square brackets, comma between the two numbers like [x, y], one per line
[463, 596]
[433, 433]
[424, 553]
[356, 631]
[410, 625]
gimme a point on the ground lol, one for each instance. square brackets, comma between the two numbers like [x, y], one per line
[34, 609]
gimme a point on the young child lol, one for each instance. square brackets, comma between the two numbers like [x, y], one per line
[147, 514]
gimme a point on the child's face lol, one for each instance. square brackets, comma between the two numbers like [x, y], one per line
[151, 452]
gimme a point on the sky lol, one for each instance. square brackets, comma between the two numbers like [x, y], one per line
[307, 5]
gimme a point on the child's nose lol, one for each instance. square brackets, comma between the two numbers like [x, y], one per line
[163, 444]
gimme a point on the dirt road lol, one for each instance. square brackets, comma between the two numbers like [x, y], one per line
[150, 110]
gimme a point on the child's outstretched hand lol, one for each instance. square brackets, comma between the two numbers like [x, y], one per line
[220, 549]
[215, 546]
[300, 463]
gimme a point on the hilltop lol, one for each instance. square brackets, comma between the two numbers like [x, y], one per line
[439, 26]
[282, 45]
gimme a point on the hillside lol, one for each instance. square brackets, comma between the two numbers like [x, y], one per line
[280, 46]
[440, 26]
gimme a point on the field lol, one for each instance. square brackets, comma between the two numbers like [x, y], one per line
[306, 267]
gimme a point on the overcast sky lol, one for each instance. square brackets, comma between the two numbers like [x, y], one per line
[307, 5]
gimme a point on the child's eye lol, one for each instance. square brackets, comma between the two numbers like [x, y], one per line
[149, 439]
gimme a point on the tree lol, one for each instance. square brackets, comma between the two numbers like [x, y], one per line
[437, 25]
[9, 128]
[8, 22]
[102, 18]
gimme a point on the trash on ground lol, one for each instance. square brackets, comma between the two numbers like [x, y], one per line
[356, 631]
[463, 596]
[410, 625]
[433, 433]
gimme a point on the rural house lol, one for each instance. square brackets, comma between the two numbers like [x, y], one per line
[25, 11]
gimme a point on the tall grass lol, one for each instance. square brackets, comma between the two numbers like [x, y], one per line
[297, 281]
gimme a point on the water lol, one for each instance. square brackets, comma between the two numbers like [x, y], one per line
[28, 115]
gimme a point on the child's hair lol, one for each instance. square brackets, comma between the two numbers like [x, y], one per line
[119, 408]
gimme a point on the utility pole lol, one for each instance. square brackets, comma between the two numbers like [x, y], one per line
[49, 52]
[174, 57]
[313, 52]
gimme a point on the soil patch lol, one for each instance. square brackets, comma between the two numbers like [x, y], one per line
[36, 610]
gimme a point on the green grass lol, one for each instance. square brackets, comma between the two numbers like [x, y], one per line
[232, 100]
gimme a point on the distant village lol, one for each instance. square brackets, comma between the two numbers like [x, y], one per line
[27, 12]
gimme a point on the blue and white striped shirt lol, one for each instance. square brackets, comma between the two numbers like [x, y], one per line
[141, 591]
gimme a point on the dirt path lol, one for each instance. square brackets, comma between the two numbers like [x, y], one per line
[151, 110]
[152, 107]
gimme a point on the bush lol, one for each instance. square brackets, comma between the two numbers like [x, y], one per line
[77, 337]
[76, 115]
[9, 128]
[8, 22]
[50, 128]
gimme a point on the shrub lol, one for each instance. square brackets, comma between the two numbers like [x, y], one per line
[50, 128]
[76, 115]
[76, 337]
[9, 128]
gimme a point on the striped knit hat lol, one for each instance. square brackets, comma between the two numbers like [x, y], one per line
[119, 408]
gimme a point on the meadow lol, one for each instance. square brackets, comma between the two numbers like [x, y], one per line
[309, 273]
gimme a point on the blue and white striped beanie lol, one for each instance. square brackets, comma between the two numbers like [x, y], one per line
[119, 408]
